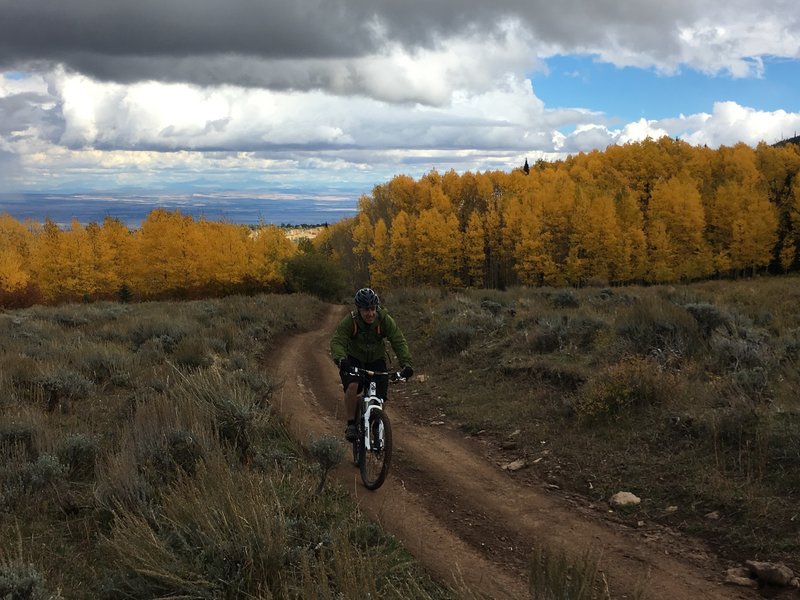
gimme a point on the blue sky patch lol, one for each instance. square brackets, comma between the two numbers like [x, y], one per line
[630, 94]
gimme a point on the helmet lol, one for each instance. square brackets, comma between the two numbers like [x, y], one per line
[366, 298]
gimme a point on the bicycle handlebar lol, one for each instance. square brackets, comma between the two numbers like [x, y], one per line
[393, 376]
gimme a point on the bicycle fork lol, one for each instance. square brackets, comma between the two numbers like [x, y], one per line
[372, 403]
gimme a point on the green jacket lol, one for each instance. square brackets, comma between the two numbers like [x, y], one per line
[368, 344]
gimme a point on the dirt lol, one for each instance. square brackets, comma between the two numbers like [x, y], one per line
[469, 521]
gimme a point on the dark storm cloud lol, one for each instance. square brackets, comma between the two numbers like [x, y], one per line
[174, 39]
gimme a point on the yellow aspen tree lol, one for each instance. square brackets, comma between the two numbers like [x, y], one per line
[597, 241]
[633, 249]
[119, 241]
[402, 249]
[475, 251]
[745, 227]
[438, 251]
[15, 246]
[533, 265]
[789, 252]
[105, 278]
[268, 249]
[660, 254]
[380, 267]
[558, 204]
[576, 263]
[163, 252]
[676, 203]
[222, 257]
[363, 237]
[77, 276]
[48, 261]
[498, 257]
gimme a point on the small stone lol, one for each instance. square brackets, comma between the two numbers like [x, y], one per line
[713, 515]
[671, 509]
[516, 465]
[741, 577]
[624, 499]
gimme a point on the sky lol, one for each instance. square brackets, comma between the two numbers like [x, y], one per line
[215, 95]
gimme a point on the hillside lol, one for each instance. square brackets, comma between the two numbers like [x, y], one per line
[793, 140]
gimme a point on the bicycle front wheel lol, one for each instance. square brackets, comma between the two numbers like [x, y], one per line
[374, 462]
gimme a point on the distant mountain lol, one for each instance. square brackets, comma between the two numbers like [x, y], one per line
[793, 140]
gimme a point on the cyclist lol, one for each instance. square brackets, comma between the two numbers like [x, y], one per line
[358, 341]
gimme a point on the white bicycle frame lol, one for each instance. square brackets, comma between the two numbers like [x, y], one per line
[372, 402]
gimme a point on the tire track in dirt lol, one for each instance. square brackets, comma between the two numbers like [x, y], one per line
[464, 519]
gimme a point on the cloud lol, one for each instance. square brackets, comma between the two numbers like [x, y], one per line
[355, 46]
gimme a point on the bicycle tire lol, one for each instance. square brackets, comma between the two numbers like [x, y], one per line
[358, 443]
[374, 463]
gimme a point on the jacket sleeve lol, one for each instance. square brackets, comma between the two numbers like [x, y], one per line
[341, 339]
[397, 341]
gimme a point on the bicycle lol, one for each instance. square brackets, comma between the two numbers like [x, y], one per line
[372, 448]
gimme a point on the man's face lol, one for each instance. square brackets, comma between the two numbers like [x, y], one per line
[368, 314]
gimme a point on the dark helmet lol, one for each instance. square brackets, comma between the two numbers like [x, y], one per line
[366, 298]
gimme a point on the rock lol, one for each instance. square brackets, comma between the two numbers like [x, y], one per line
[515, 433]
[624, 499]
[516, 465]
[771, 573]
[671, 509]
[741, 577]
[713, 515]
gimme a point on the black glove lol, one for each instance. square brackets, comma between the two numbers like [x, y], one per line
[344, 364]
[406, 372]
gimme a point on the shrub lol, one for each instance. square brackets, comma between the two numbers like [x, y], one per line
[328, 451]
[78, 453]
[107, 363]
[45, 470]
[564, 299]
[557, 332]
[183, 451]
[743, 349]
[708, 316]
[315, 274]
[21, 581]
[633, 383]
[191, 352]
[452, 339]
[653, 326]
[63, 383]
[17, 435]
[162, 328]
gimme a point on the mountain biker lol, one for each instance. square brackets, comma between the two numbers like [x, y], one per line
[358, 341]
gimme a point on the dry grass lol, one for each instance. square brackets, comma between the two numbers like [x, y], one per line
[140, 458]
[683, 395]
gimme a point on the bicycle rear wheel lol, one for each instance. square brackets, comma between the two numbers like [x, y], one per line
[374, 463]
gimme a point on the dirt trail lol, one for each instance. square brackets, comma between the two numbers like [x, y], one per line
[464, 518]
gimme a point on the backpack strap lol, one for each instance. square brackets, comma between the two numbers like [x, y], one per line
[355, 325]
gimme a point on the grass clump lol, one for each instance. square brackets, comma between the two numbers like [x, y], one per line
[554, 575]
